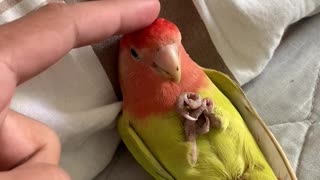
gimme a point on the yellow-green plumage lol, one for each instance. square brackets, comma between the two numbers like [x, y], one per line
[228, 153]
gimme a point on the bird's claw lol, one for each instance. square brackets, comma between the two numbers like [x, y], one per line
[197, 117]
[193, 108]
[192, 100]
[203, 126]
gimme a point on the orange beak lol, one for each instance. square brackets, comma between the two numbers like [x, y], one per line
[167, 62]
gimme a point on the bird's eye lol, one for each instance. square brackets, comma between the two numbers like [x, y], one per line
[134, 54]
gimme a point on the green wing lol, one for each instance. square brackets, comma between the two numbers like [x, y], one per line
[140, 152]
[223, 82]
[269, 146]
[232, 91]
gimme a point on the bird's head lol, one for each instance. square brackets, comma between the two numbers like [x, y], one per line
[154, 51]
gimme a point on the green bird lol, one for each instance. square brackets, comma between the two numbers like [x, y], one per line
[175, 121]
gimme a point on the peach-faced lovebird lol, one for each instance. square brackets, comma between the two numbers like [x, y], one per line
[181, 125]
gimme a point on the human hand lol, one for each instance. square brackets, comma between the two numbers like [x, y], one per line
[28, 46]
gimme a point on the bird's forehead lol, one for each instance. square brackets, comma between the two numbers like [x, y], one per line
[159, 33]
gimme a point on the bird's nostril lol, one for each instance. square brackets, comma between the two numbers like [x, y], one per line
[177, 68]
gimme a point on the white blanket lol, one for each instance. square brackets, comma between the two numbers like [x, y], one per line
[287, 96]
[246, 32]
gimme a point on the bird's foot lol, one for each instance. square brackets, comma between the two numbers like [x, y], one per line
[197, 118]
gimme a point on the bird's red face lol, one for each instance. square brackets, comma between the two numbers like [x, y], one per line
[155, 69]
[155, 50]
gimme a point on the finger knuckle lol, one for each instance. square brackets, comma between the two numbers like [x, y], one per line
[51, 134]
[51, 137]
[62, 175]
[57, 173]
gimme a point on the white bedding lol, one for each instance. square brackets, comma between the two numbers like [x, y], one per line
[287, 96]
[246, 32]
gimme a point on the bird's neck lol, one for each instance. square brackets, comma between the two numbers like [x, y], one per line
[155, 97]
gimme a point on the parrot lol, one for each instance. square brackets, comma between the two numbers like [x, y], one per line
[181, 125]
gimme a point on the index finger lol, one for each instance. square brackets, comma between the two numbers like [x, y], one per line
[31, 44]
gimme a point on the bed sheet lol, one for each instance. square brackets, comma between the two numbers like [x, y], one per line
[287, 96]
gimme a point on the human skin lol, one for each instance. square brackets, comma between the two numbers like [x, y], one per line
[29, 149]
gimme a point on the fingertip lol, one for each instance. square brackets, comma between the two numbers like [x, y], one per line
[152, 11]
[145, 12]
[62, 174]
[156, 10]
[157, 7]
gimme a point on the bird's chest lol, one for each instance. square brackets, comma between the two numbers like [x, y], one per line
[164, 130]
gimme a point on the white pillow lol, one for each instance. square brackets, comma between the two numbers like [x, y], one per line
[246, 32]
